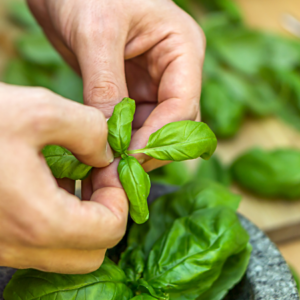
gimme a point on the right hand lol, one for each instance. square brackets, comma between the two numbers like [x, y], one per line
[41, 225]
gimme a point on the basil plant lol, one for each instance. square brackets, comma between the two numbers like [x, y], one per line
[193, 247]
[176, 141]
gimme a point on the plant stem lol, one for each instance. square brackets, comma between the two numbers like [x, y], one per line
[135, 151]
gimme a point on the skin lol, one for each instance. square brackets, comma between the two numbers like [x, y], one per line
[148, 50]
[43, 226]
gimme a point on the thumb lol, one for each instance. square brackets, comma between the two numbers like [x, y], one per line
[100, 54]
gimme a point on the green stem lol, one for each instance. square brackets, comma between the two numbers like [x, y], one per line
[136, 151]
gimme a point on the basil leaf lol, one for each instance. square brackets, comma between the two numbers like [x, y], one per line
[132, 262]
[190, 255]
[136, 184]
[119, 125]
[232, 272]
[107, 283]
[181, 140]
[164, 211]
[143, 297]
[64, 164]
[145, 286]
[271, 174]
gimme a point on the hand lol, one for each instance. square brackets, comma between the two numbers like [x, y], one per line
[150, 50]
[41, 225]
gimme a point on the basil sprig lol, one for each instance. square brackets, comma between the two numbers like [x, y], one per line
[176, 141]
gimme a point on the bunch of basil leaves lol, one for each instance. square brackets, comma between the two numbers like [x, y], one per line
[177, 141]
[192, 247]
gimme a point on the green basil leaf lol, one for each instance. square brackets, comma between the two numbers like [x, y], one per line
[232, 272]
[192, 253]
[136, 184]
[271, 174]
[119, 125]
[107, 283]
[144, 286]
[214, 170]
[132, 262]
[181, 140]
[143, 297]
[194, 196]
[64, 164]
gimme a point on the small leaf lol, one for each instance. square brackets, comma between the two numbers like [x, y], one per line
[107, 283]
[272, 174]
[132, 262]
[119, 125]
[181, 140]
[64, 164]
[136, 184]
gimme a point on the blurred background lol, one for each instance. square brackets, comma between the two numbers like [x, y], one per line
[250, 98]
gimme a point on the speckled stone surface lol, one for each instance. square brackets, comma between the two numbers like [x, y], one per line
[267, 278]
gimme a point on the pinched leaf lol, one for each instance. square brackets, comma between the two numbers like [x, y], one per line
[64, 164]
[190, 255]
[136, 183]
[119, 125]
[107, 283]
[181, 140]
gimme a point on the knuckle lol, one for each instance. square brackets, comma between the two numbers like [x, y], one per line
[104, 95]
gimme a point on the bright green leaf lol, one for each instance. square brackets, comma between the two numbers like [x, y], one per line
[136, 184]
[181, 140]
[64, 164]
[119, 125]
[107, 283]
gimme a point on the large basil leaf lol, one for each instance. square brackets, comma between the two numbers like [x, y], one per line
[214, 170]
[181, 140]
[64, 164]
[107, 283]
[192, 253]
[164, 211]
[136, 184]
[232, 272]
[119, 125]
[269, 173]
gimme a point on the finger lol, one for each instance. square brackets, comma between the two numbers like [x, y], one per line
[79, 128]
[179, 72]
[100, 51]
[96, 224]
[64, 261]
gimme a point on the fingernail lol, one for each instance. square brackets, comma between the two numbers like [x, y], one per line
[109, 153]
